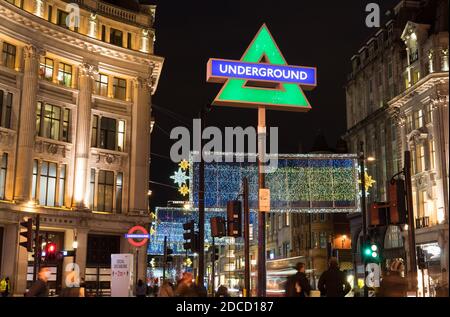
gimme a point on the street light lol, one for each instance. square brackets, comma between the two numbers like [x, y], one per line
[371, 159]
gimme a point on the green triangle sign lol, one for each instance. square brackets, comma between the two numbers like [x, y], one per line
[285, 96]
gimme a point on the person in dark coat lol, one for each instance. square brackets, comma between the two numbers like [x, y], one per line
[222, 291]
[393, 284]
[40, 287]
[333, 282]
[141, 289]
[298, 285]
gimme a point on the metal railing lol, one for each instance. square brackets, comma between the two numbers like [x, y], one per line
[422, 222]
[115, 11]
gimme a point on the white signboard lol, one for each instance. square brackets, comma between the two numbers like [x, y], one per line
[121, 275]
[264, 200]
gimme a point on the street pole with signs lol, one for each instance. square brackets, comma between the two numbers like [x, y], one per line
[261, 214]
[364, 211]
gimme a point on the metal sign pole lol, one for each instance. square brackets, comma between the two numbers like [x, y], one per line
[246, 238]
[261, 215]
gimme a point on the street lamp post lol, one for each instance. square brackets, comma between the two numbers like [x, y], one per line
[364, 210]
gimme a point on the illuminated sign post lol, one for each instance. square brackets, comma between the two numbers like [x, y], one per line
[263, 80]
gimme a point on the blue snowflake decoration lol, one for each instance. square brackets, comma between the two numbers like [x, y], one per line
[180, 177]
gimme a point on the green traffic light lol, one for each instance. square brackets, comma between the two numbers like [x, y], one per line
[367, 251]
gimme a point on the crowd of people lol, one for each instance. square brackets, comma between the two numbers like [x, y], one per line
[332, 283]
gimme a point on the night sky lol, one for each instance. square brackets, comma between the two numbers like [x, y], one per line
[317, 33]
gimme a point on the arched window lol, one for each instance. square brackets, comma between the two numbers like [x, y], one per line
[393, 238]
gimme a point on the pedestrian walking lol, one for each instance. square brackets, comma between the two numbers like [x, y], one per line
[186, 287]
[222, 291]
[393, 284]
[141, 289]
[298, 284]
[333, 282]
[40, 287]
[5, 287]
[166, 290]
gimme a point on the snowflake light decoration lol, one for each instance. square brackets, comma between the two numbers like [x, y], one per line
[184, 165]
[180, 177]
[184, 190]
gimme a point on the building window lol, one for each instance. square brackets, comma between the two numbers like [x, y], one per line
[429, 113]
[119, 185]
[116, 37]
[101, 85]
[129, 39]
[6, 99]
[393, 238]
[432, 154]
[119, 88]
[94, 134]
[61, 20]
[62, 185]
[420, 159]
[34, 181]
[3, 168]
[46, 68]
[9, 55]
[322, 217]
[103, 33]
[105, 191]
[409, 123]
[418, 119]
[47, 184]
[111, 136]
[65, 74]
[92, 189]
[108, 133]
[389, 67]
[288, 219]
[121, 135]
[323, 240]
[52, 122]
[50, 12]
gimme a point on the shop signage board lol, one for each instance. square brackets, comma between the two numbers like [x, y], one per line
[121, 275]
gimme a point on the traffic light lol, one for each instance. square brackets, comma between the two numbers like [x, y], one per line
[378, 214]
[234, 214]
[214, 254]
[50, 251]
[28, 234]
[189, 236]
[371, 252]
[397, 199]
[218, 227]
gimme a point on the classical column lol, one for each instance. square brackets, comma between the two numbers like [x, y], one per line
[82, 145]
[140, 146]
[27, 128]
[81, 252]
[400, 121]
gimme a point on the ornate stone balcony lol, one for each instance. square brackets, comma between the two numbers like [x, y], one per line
[144, 18]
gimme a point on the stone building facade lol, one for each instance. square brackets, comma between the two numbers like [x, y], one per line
[76, 81]
[397, 100]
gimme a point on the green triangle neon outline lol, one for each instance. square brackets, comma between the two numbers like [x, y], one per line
[288, 97]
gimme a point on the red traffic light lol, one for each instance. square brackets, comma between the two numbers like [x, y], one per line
[51, 248]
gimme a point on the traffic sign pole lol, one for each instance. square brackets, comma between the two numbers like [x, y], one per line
[261, 215]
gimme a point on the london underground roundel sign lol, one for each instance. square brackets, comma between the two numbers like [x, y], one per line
[137, 233]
